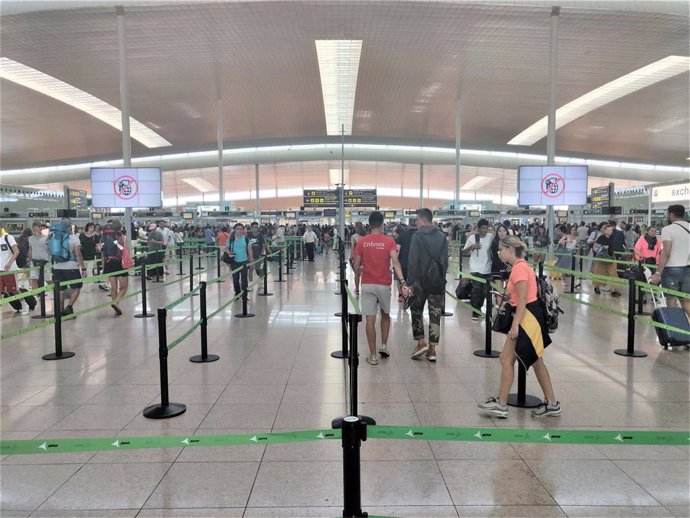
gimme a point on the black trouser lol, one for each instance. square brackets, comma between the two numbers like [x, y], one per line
[310, 250]
[236, 276]
[155, 258]
[478, 293]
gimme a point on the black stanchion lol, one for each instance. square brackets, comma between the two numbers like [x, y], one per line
[353, 363]
[459, 262]
[572, 277]
[343, 353]
[165, 409]
[541, 269]
[42, 296]
[280, 267]
[245, 290]
[198, 257]
[265, 293]
[144, 309]
[204, 357]
[640, 302]
[521, 398]
[487, 352]
[630, 350]
[218, 268]
[191, 274]
[445, 313]
[59, 354]
[354, 432]
[179, 260]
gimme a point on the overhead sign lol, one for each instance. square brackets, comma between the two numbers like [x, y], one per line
[600, 197]
[76, 198]
[129, 187]
[329, 198]
[678, 193]
[552, 185]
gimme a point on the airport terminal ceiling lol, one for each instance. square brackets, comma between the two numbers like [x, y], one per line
[417, 58]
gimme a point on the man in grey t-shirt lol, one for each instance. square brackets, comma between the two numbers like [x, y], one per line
[157, 255]
[39, 256]
[70, 270]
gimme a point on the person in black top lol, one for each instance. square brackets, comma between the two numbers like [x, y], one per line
[258, 243]
[500, 271]
[603, 260]
[89, 248]
[403, 241]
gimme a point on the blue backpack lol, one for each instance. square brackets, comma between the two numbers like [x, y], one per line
[58, 243]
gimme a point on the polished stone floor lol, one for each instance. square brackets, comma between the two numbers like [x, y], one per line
[276, 373]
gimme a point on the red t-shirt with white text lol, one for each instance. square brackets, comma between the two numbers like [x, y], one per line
[375, 250]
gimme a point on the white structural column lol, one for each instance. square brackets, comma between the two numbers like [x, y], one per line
[456, 198]
[124, 107]
[551, 127]
[341, 198]
[421, 186]
[221, 186]
[258, 201]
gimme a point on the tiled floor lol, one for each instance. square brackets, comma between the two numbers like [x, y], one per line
[276, 374]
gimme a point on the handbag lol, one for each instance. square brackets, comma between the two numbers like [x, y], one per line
[503, 320]
[126, 257]
[226, 258]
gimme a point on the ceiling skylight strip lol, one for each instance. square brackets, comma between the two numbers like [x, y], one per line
[200, 184]
[72, 96]
[637, 80]
[338, 67]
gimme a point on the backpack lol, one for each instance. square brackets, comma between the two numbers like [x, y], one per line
[110, 238]
[434, 278]
[58, 243]
[548, 299]
[22, 259]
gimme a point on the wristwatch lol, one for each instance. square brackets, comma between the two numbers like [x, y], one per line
[402, 282]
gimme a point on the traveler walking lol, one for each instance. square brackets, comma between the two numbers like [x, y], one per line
[674, 262]
[404, 240]
[89, 248]
[114, 242]
[38, 255]
[478, 247]
[156, 244]
[9, 251]
[528, 336]
[168, 243]
[240, 254]
[310, 240]
[603, 250]
[373, 256]
[259, 247]
[359, 234]
[68, 264]
[426, 273]
[499, 269]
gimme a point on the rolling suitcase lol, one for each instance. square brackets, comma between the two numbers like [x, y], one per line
[319, 249]
[670, 316]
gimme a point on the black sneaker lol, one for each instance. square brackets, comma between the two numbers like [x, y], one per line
[597, 291]
[118, 311]
[67, 311]
[615, 293]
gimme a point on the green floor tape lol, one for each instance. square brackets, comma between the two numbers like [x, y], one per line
[426, 433]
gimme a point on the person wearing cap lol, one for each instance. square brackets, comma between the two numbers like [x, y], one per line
[71, 270]
[156, 243]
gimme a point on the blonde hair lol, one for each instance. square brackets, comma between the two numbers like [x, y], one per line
[516, 244]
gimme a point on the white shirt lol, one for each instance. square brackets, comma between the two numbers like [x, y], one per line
[279, 238]
[168, 236]
[680, 251]
[309, 236]
[6, 252]
[480, 260]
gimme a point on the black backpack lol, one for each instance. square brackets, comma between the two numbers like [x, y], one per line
[110, 249]
[434, 278]
[22, 259]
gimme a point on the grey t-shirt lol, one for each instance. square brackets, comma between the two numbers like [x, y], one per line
[72, 264]
[157, 236]
[39, 248]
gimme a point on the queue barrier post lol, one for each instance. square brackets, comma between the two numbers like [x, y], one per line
[521, 399]
[343, 353]
[198, 257]
[487, 352]
[630, 350]
[218, 268]
[341, 277]
[572, 277]
[280, 266]
[144, 309]
[42, 296]
[354, 431]
[59, 354]
[245, 290]
[265, 293]
[459, 262]
[204, 357]
[179, 260]
[165, 409]
[541, 269]
[191, 274]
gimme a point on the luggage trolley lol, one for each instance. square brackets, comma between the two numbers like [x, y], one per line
[671, 316]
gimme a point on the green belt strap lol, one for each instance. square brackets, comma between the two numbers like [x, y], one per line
[465, 304]
[647, 320]
[221, 308]
[353, 301]
[469, 276]
[23, 295]
[605, 309]
[659, 289]
[184, 336]
[183, 298]
[427, 433]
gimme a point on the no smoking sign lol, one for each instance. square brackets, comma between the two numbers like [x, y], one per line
[553, 185]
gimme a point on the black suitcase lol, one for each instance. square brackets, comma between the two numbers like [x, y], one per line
[464, 289]
[674, 317]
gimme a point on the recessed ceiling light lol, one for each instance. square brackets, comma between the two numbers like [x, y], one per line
[68, 94]
[338, 67]
[200, 184]
[637, 80]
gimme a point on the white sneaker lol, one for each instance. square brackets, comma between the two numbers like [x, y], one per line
[372, 359]
[383, 351]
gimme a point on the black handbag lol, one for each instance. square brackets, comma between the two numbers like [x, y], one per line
[226, 258]
[503, 320]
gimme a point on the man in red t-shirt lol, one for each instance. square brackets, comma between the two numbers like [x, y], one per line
[373, 256]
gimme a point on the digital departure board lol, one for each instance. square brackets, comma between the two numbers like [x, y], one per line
[600, 197]
[76, 198]
[329, 198]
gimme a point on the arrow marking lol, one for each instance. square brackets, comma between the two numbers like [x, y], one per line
[320, 436]
[618, 438]
[116, 443]
[547, 437]
[478, 435]
[186, 441]
[254, 439]
[44, 446]
[410, 433]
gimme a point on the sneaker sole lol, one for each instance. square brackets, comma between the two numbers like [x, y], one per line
[548, 414]
[372, 363]
[384, 354]
[498, 413]
[418, 354]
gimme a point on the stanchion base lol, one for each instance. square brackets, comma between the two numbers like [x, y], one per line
[265, 294]
[199, 268]
[483, 354]
[633, 354]
[164, 412]
[51, 316]
[643, 313]
[282, 280]
[338, 314]
[340, 355]
[222, 280]
[446, 314]
[144, 315]
[337, 423]
[530, 401]
[241, 315]
[53, 356]
[200, 359]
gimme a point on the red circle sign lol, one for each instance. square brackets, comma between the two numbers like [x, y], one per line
[125, 187]
[553, 185]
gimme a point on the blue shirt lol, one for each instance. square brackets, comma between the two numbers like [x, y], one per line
[210, 238]
[239, 248]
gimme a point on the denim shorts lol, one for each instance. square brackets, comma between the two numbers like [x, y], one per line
[676, 278]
